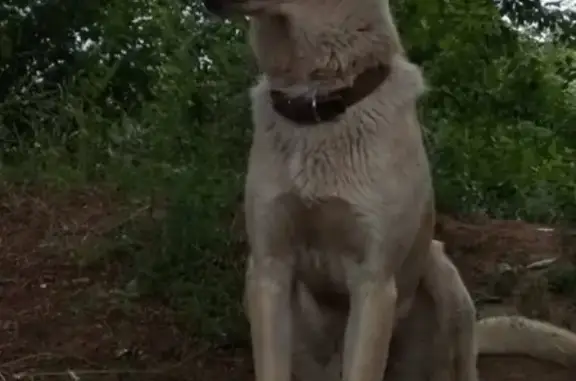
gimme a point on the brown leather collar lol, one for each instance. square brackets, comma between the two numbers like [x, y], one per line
[322, 108]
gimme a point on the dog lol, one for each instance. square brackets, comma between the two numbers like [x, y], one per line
[339, 204]
[338, 198]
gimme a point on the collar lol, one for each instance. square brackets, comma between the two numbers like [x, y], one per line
[305, 110]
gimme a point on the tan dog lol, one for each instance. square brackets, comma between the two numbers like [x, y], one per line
[438, 334]
[343, 209]
[339, 202]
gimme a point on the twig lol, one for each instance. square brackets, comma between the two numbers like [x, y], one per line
[542, 264]
[92, 372]
[86, 372]
[11, 363]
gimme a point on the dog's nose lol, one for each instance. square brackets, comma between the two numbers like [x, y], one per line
[214, 6]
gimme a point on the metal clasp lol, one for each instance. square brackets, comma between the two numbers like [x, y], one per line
[315, 107]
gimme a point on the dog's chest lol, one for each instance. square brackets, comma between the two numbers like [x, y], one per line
[323, 163]
[328, 234]
[332, 181]
[332, 186]
[330, 174]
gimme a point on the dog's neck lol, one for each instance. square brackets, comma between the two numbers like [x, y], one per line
[301, 52]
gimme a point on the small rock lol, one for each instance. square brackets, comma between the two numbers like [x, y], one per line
[504, 268]
[82, 280]
[5, 281]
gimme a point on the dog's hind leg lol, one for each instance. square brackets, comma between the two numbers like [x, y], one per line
[412, 348]
[456, 316]
[438, 333]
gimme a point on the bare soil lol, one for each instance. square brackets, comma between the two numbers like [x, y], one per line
[60, 320]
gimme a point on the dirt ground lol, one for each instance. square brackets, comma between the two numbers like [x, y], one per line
[63, 321]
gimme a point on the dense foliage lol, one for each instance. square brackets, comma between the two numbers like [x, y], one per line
[151, 96]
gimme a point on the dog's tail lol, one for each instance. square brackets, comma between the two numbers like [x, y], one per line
[518, 335]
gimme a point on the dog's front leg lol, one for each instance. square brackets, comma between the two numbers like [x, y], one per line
[268, 293]
[373, 296]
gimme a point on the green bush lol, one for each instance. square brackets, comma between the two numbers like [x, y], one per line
[157, 104]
